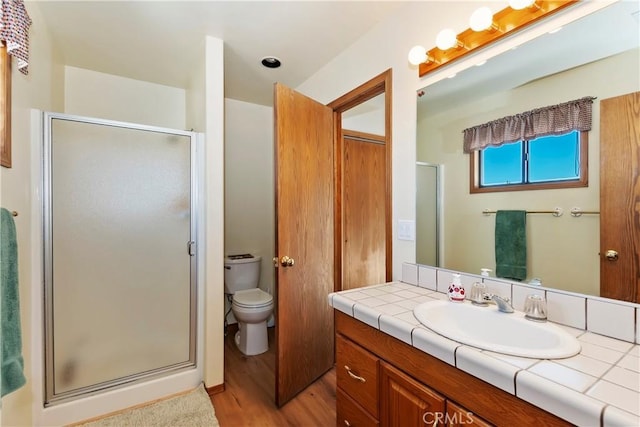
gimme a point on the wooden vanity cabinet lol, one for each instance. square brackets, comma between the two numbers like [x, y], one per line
[404, 402]
[390, 383]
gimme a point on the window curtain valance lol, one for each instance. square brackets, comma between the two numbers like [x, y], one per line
[14, 31]
[551, 120]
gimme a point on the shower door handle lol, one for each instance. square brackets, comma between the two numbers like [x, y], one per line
[191, 248]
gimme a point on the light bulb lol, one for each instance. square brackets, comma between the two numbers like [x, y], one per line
[446, 39]
[520, 4]
[417, 55]
[481, 19]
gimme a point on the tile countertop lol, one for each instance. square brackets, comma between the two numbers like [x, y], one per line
[600, 386]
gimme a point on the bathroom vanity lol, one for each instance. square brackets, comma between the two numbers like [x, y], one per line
[391, 370]
[383, 381]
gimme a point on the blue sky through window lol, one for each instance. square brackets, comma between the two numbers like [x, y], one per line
[551, 158]
[502, 165]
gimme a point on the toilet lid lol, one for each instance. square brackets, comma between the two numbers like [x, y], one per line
[252, 298]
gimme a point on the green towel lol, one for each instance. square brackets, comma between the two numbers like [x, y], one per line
[12, 370]
[511, 244]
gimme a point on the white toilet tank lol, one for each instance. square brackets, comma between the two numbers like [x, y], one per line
[241, 272]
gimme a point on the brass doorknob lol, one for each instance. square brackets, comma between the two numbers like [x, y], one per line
[285, 261]
[611, 255]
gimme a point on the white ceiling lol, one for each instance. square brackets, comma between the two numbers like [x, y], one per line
[160, 41]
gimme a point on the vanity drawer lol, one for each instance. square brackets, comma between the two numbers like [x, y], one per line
[350, 414]
[357, 374]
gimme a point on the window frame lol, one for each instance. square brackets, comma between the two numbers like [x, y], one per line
[582, 181]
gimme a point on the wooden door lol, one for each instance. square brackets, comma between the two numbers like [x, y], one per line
[364, 210]
[304, 233]
[620, 197]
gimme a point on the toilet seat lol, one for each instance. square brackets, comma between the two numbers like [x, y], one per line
[252, 298]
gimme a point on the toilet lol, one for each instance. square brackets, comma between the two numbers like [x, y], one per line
[251, 306]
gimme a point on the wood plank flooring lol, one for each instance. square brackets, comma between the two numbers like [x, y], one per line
[248, 399]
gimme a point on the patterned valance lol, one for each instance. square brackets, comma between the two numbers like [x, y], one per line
[14, 31]
[552, 120]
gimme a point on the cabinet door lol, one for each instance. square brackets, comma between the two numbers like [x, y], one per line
[404, 402]
[459, 416]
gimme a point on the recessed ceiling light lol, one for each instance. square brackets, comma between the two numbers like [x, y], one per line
[271, 62]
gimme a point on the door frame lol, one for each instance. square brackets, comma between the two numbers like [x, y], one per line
[380, 84]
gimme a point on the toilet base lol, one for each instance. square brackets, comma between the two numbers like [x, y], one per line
[251, 338]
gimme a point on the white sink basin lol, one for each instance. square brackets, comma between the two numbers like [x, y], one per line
[489, 329]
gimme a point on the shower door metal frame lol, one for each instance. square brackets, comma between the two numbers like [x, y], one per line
[191, 247]
[438, 201]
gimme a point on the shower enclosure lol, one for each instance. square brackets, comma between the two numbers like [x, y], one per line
[120, 265]
[428, 202]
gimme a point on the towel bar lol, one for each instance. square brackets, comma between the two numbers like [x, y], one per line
[555, 212]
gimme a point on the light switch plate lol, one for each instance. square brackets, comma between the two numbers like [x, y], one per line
[406, 230]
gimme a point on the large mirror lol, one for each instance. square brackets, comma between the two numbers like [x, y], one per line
[597, 55]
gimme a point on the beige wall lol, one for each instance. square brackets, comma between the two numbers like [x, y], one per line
[249, 185]
[386, 46]
[93, 94]
[562, 251]
[41, 89]
[214, 211]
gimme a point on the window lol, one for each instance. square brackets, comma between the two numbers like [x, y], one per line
[540, 163]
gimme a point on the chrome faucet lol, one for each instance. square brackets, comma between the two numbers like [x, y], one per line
[502, 303]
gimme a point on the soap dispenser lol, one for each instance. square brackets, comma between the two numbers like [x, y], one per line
[456, 291]
[484, 272]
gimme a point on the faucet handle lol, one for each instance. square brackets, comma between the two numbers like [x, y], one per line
[535, 308]
[478, 291]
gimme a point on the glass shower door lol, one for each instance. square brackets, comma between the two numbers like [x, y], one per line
[427, 214]
[119, 265]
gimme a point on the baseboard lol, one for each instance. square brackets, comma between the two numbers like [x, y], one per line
[215, 389]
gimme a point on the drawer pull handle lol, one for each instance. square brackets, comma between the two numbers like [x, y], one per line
[347, 423]
[354, 376]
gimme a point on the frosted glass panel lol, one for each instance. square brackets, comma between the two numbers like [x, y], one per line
[120, 226]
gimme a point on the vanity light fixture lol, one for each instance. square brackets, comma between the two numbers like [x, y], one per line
[447, 39]
[418, 54]
[482, 19]
[486, 28]
[521, 4]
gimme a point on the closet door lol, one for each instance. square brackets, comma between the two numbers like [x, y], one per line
[364, 212]
[620, 197]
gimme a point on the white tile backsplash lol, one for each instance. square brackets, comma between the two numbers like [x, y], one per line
[566, 309]
[520, 294]
[427, 277]
[611, 319]
[410, 273]
[446, 277]
[498, 288]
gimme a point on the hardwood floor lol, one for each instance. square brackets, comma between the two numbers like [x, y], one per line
[248, 399]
